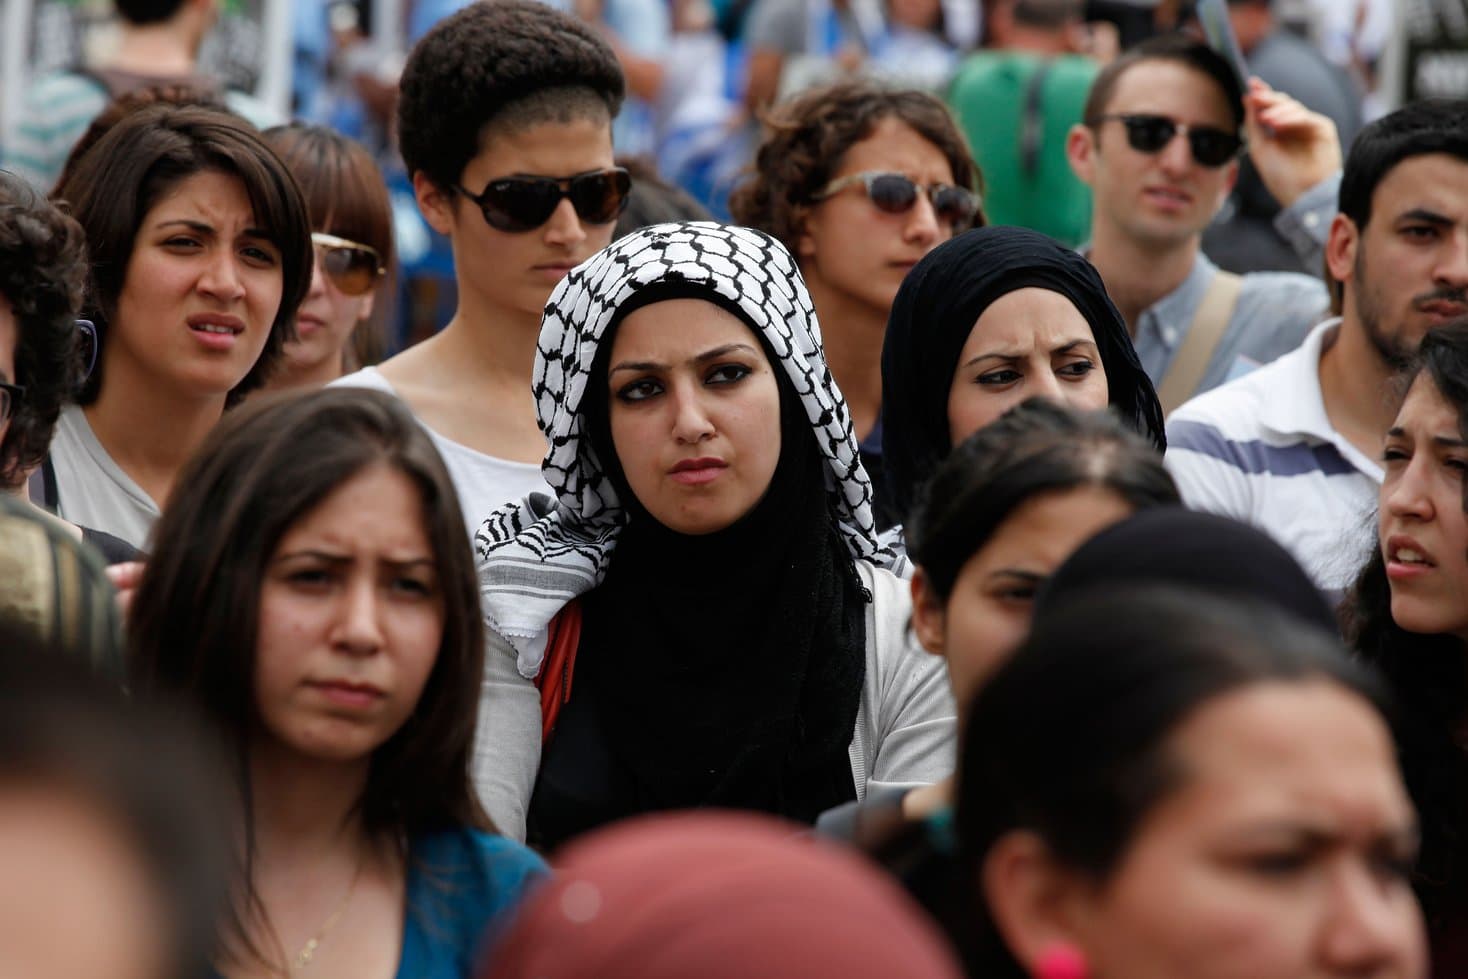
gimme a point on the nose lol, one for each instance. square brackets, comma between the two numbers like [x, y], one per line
[1452, 268]
[564, 226]
[691, 421]
[1176, 158]
[358, 628]
[318, 277]
[1371, 928]
[1044, 384]
[921, 227]
[220, 277]
[1407, 497]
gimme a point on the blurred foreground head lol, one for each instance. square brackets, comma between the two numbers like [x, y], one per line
[719, 896]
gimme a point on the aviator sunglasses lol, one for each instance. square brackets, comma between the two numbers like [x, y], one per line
[896, 193]
[352, 267]
[1211, 146]
[525, 203]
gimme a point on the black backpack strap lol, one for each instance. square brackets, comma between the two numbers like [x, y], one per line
[1032, 123]
[50, 498]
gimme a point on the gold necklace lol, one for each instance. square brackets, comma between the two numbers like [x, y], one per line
[308, 951]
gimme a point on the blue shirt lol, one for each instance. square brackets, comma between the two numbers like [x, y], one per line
[461, 884]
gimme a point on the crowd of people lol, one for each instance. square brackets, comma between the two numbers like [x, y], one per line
[873, 584]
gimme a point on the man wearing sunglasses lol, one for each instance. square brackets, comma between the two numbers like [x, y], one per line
[1296, 447]
[504, 123]
[1159, 148]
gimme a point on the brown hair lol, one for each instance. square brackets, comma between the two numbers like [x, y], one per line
[808, 137]
[1177, 48]
[346, 196]
[196, 614]
[114, 185]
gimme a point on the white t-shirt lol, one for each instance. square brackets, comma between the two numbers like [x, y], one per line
[484, 482]
[91, 489]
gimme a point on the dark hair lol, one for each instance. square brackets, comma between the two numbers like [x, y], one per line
[43, 268]
[147, 11]
[113, 187]
[1177, 48]
[1426, 676]
[144, 772]
[1416, 129]
[1036, 447]
[195, 616]
[654, 201]
[1051, 14]
[514, 63]
[124, 105]
[1070, 737]
[345, 196]
[808, 137]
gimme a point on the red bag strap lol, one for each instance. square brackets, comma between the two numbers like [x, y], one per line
[554, 678]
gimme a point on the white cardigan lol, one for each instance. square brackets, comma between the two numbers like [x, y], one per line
[905, 722]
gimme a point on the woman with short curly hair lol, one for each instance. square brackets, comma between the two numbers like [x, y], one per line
[43, 268]
[859, 182]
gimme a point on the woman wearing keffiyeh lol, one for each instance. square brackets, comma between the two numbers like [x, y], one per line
[741, 643]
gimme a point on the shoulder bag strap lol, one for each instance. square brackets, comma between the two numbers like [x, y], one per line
[1186, 372]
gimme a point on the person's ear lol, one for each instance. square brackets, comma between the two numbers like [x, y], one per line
[435, 204]
[1342, 246]
[1080, 150]
[805, 243]
[1035, 903]
[929, 613]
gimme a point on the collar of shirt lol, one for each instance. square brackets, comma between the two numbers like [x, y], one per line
[1296, 406]
[1167, 320]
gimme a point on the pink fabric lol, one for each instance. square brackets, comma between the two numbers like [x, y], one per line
[717, 896]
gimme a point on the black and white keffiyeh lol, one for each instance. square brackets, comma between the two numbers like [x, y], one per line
[534, 558]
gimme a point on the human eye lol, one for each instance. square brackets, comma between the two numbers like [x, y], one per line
[412, 586]
[1457, 464]
[310, 577]
[639, 390]
[728, 374]
[998, 378]
[1395, 454]
[1420, 232]
[182, 242]
[1076, 369]
[1278, 863]
[256, 255]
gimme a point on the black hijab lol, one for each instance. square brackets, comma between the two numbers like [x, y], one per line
[723, 669]
[935, 311]
[1200, 551]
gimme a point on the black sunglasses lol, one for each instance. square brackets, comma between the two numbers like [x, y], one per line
[352, 267]
[526, 203]
[897, 192]
[10, 398]
[1211, 146]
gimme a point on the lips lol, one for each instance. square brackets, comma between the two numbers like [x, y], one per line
[216, 331]
[1169, 196]
[346, 693]
[1444, 309]
[1405, 558]
[696, 472]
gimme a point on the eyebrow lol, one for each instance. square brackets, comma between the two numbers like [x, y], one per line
[999, 355]
[703, 358]
[200, 227]
[1033, 577]
[1427, 217]
[1444, 441]
[331, 558]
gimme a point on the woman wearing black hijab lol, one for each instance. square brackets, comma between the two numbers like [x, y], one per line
[987, 320]
[738, 641]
